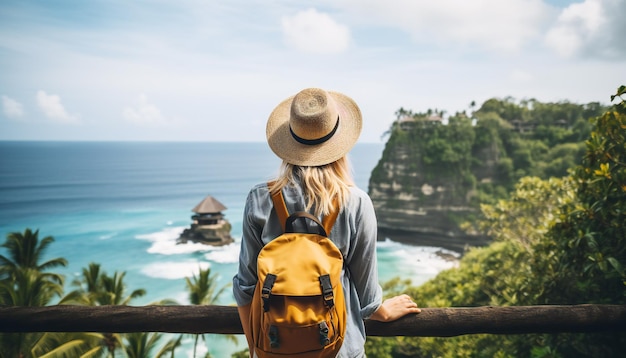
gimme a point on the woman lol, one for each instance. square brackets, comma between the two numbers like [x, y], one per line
[312, 132]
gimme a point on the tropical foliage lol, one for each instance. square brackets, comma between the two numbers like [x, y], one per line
[96, 288]
[555, 241]
[144, 344]
[484, 153]
[203, 290]
[25, 281]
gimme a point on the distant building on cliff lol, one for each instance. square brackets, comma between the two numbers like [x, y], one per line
[407, 122]
[208, 226]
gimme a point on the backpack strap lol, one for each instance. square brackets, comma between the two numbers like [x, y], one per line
[281, 210]
[304, 215]
[329, 220]
[280, 206]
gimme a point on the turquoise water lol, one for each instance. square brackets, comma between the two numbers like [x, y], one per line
[123, 204]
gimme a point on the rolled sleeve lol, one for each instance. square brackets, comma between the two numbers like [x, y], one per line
[362, 263]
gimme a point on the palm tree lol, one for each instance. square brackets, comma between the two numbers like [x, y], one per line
[23, 282]
[28, 287]
[69, 344]
[96, 288]
[202, 288]
[112, 293]
[113, 290]
[87, 287]
[141, 345]
[25, 251]
[203, 291]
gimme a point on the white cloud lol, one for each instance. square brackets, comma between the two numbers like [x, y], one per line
[52, 107]
[496, 25]
[143, 113]
[520, 76]
[237, 58]
[315, 32]
[12, 108]
[592, 28]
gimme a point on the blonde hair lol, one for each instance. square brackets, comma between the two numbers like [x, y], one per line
[321, 184]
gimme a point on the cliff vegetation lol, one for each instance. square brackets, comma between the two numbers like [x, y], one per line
[555, 241]
[436, 171]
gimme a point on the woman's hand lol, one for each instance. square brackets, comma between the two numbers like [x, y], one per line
[394, 308]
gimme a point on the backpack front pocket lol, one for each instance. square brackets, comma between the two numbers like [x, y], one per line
[285, 339]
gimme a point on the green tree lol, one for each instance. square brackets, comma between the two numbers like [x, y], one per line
[95, 287]
[589, 242]
[87, 287]
[25, 251]
[142, 345]
[203, 290]
[560, 159]
[591, 236]
[68, 345]
[556, 241]
[114, 290]
[24, 281]
[510, 271]
[29, 287]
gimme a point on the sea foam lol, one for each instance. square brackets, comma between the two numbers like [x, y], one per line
[417, 263]
[174, 270]
[226, 254]
[164, 242]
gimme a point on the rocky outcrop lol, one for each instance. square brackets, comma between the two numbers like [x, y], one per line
[405, 200]
[414, 195]
[214, 235]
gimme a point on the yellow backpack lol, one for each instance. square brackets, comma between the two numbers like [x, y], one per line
[298, 308]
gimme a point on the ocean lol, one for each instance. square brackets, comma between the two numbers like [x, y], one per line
[123, 205]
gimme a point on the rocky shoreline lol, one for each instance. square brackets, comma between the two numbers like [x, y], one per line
[458, 244]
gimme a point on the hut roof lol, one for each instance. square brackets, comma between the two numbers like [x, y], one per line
[209, 205]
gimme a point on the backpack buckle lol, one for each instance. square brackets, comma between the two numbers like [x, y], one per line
[266, 291]
[324, 340]
[327, 291]
[273, 336]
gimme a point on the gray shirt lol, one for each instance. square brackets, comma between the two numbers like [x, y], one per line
[354, 233]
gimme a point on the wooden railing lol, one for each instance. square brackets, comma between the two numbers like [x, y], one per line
[431, 322]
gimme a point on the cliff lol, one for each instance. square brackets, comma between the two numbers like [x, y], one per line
[433, 176]
[424, 186]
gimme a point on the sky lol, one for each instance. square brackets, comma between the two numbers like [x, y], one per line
[192, 70]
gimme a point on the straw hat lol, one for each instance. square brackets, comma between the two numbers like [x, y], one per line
[314, 127]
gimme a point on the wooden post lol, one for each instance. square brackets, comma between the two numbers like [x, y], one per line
[432, 322]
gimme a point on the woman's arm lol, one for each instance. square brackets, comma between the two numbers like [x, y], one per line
[364, 270]
[394, 308]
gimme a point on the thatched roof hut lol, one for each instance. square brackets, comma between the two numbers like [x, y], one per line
[209, 225]
[209, 205]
